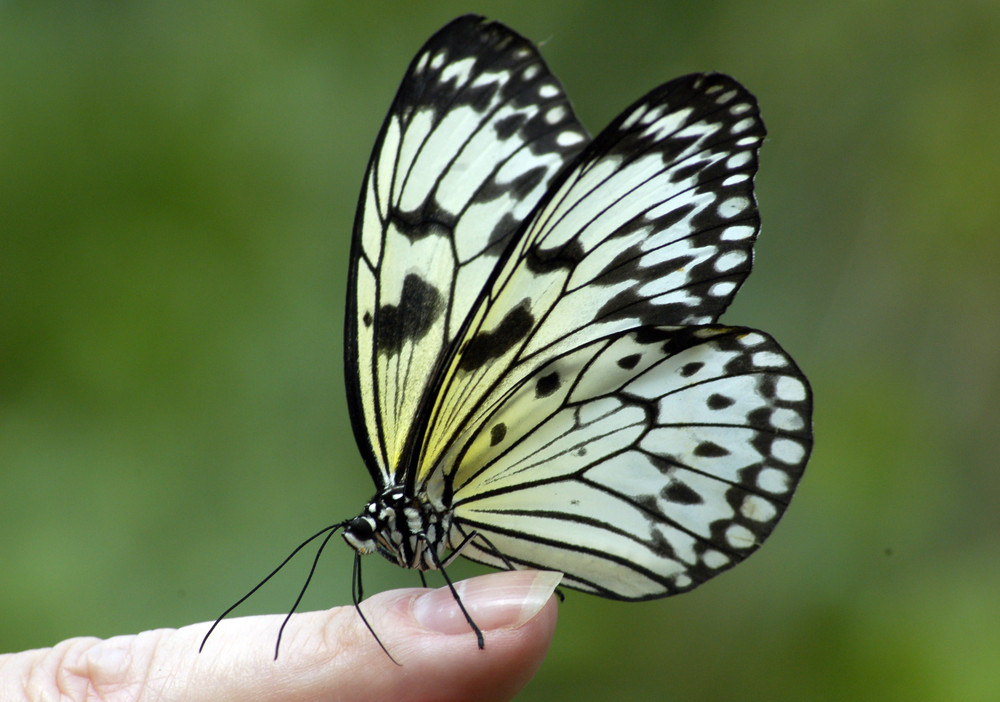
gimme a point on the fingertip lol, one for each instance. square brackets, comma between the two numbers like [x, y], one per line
[333, 654]
[436, 647]
[504, 600]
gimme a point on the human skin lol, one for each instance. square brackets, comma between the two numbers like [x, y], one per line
[328, 655]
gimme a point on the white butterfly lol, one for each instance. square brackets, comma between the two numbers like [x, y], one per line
[535, 369]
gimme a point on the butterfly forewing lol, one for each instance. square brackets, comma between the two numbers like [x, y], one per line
[475, 134]
[652, 225]
[640, 464]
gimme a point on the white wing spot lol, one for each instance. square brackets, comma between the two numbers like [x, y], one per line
[773, 481]
[715, 559]
[738, 160]
[438, 60]
[769, 359]
[757, 509]
[555, 115]
[547, 91]
[738, 536]
[722, 289]
[786, 420]
[790, 389]
[653, 114]
[752, 339]
[729, 261]
[530, 72]
[747, 141]
[459, 70]
[742, 125]
[682, 581]
[725, 97]
[788, 451]
[569, 138]
[421, 64]
[733, 207]
[739, 108]
[629, 121]
[737, 233]
[735, 180]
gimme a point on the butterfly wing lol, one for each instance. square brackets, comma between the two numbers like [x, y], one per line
[596, 421]
[475, 134]
[640, 464]
[653, 224]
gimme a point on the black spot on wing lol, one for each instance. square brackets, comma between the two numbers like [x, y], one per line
[680, 493]
[547, 384]
[504, 228]
[518, 187]
[709, 449]
[507, 127]
[566, 257]
[487, 346]
[718, 402]
[419, 307]
[629, 362]
[690, 369]
[426, 220]
[497, 433]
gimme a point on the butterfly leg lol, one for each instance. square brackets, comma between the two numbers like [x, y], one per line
[457, 551]
[357, 594]
[454, 593]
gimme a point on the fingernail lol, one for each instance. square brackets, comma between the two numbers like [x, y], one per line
[496, 601]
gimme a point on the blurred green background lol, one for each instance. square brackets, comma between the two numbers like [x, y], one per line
[177, 187]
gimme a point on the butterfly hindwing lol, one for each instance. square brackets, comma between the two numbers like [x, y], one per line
[475, 134]
[640, 464]
[653, 224]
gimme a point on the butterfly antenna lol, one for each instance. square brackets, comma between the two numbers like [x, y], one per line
[332, 529]
[454, 593]
[305, 585]
[357, 594]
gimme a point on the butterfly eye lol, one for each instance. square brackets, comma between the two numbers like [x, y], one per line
[360, 534]
[361, 529]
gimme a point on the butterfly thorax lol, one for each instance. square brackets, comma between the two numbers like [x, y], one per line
[406, 530]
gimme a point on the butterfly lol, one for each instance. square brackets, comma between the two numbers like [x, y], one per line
[536, 373]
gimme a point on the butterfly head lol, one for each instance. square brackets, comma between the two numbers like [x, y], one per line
[360, 534]
[405, 530]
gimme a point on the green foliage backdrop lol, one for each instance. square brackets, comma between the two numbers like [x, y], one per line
[177, 187]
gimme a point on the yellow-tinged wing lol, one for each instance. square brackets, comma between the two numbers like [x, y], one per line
[475, 134]
[653, 225]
